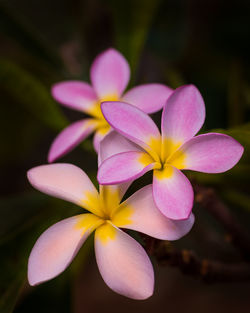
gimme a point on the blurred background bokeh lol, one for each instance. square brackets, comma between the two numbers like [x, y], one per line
[175, 42]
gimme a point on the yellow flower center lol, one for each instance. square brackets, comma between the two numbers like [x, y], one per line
[95, 111]
[164, 152]
[106, 212]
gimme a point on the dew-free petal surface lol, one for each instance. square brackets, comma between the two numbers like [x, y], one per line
[183, 114]
[140, 213]
[123, 167]
[131, 122]
[123, 263]
[210, 153]
[149, 98]
[112, 144]
[100, 134]
[76, 95]
[173, 193]
[64, 181]
[115, 143]
[69, 138]
[109, 74]
[57, 246]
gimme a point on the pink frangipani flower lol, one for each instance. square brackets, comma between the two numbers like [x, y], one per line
[168, 153]
[123, 263]
[109, 76]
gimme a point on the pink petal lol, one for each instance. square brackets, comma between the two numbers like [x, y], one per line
[111, 196]
[109, 74]
[149, 98]
[64, 181]
[75, 95]
[183, 114]
[210, 153]
[57, 246]
[123, 167]
[173, 193]
[69, 138]
[123, 264]
[100, 134]
[113, 144]
[140, 213]
[131, 122]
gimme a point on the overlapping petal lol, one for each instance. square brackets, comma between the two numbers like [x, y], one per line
[75, 95]
[173, 193]
[183, 114]
[109, 74]
[64, 181]
[149, 98]
[209, 153]
[140, 213]
[70, 137]
[123, 263]
[57, 246]
[111, 196]
[123, 167]
[115, 143]
[131, 122]
[100, 134]
[112, 144]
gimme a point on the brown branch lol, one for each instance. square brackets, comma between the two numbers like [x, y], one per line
[189, 263]
[238, 236]
[207, 270]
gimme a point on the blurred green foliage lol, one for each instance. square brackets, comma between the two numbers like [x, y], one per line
[173, 42]
[16, 27]
[132, 21]
[31, 94]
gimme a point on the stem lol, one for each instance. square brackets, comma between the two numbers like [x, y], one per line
[207, 270]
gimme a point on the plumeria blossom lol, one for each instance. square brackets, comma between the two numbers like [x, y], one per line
[109, 75]
[123, 263]
[168, 153]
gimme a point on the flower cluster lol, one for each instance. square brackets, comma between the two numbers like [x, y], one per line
[128, 144]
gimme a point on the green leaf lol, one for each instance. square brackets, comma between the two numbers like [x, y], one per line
[16, 27]
[10, 296]
[13, 268]
[19, 212]
[174, 78]
[23, 211]
[31, 94]
[132, 22]
[232, 178]
[235, 98]
[237, 198]
[244, 127]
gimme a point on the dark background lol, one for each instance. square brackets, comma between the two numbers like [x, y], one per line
[206, 43]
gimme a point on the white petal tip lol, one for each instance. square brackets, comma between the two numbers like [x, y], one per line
[29, 175]
[34, 282]
[145, 295]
